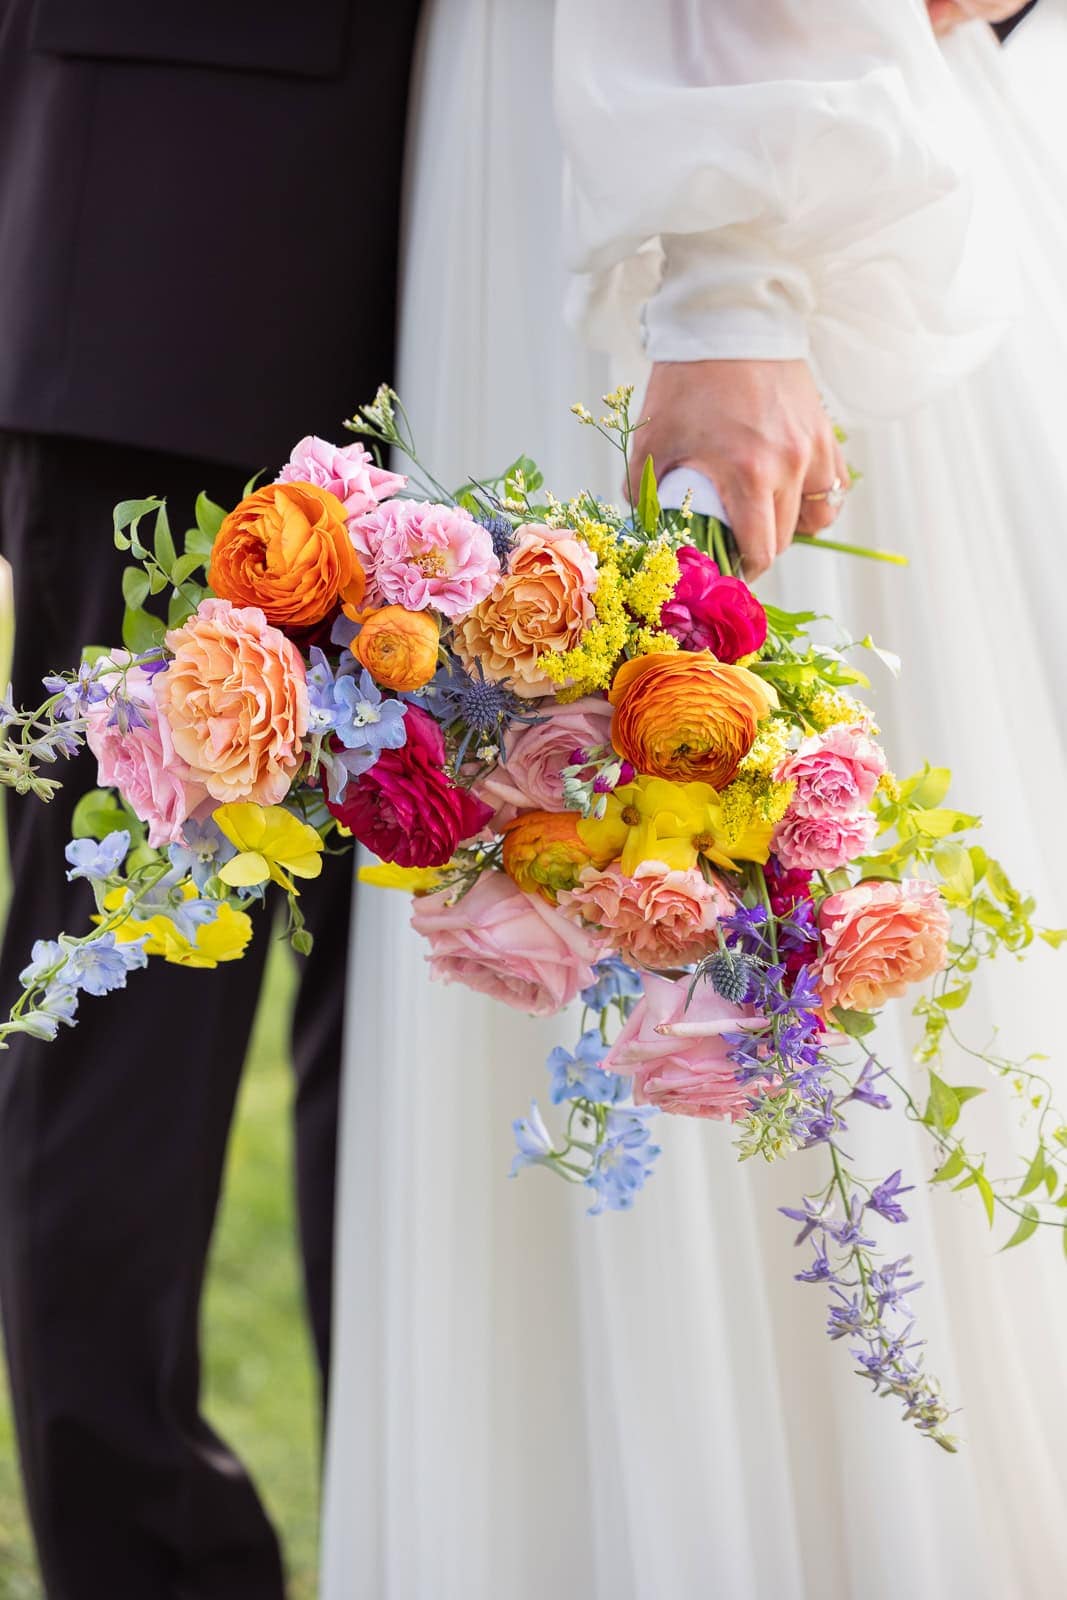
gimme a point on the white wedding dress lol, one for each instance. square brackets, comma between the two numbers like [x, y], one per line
[529, 1403]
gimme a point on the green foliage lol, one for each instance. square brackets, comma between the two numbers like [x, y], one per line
[648, 508]
[159, 568]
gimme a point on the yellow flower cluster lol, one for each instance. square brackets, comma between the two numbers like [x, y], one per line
[829, 707]
[889, 787]
[769, 749]
[651, 586]
[750, 803]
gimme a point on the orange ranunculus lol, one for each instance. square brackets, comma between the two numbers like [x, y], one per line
[286, 549]
[398, 647]
[686, 716]
[543, 852]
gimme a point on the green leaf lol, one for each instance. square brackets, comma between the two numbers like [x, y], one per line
[166, 554]
[135, 587]
[184, 568]
[97, 814]
[855, 1023]
[952, 999]
[141, 631]
[943, 1107]
[965, 1092]
[954, 863]
[937, 822]
[209, 519]
[886, 657]
[985, 1189]
[931, 788]
[1035, 1173]
[157, 581]
[648, 499]
[1027, 1225]
[180, 607]
[1053, 936]
[950, 1168]
[94, 652]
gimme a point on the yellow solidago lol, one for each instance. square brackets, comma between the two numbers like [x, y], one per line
[751, 806]
[828, 708]
[769, 749]
[225, 938]
[655, 580]
[590, 665]
[889, 787]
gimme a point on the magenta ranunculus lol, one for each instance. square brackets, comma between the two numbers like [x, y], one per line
[142, 763]
[507, 944]
[709, 611]
[348, 471]
[688, 1072]
[835, 772]
[406, 808]
[417, 555]
[822, 844]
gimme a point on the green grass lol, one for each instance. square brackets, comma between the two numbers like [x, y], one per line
[259, 1382]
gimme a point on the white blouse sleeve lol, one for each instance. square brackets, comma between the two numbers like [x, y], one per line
[778, 178]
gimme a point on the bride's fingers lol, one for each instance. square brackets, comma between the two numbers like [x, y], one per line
[750, 509]
[819, 502]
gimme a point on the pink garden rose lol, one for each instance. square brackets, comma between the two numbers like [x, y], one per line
[142, 763]
[878, 938]
[657, 918]
[348, 471]
[822, 844]
[418, 555]
[835, 772]
[507, 944]
[236, 702]
[406, 808]
[689, 1075]
[710, 611]
[530, 776]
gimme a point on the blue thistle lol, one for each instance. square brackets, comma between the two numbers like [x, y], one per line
[502, 533]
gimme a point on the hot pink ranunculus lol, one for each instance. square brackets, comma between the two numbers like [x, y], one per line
[348, 471]
[657, 918]
[406, 808]
[142, 763]
[530, 776]
[502, 942]
[416, 555]
[835, 772]
[878, 938]
[822, 844]
[710, 611]
[688, 1074]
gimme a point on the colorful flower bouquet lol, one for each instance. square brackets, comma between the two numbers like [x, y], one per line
[606, 772]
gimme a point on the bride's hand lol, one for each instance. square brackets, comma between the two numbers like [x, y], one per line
[758, 430]
[948, 14]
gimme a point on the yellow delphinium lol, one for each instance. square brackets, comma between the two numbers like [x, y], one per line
[225, 938]
[273, 846]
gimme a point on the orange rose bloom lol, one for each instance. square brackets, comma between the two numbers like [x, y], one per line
[287, 550]
[543, 602]
[543, 852]
[686, 716]
[398, 647]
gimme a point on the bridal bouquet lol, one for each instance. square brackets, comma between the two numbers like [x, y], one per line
[608, 775]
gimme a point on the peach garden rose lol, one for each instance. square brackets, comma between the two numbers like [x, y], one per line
[879, 938]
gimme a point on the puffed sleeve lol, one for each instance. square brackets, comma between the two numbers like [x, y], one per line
[779, 179]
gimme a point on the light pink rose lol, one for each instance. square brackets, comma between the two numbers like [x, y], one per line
[689, 1075]
[349, 472]
[658, 918]
[142, 763]
[529, 778]
[822, 844]
[418, 555]
[835, 772]
[877, 939]
[504, 943]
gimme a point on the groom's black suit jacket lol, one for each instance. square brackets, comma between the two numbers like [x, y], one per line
[199, 206]
[197, 211]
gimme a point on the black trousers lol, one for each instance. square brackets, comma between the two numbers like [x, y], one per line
[112, 1139]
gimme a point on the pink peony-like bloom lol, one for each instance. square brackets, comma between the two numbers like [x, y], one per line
[835, 772]
[348, 471]
[691, 1074]
[142, 763]
[508, 944]
[660, 917]
[235, 699]
[878, 938]
[711, 611]
[822, 844]
[530, 776]
[406, 808]
[418, 555]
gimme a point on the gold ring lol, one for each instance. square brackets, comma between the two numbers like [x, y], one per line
[834, 495]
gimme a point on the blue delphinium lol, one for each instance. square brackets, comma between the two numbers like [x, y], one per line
[97, 861]
[885, 1198]
[78, 694]
[580, 1076]
[204, 849]
[614, 982]
[624, 1160]
[533, 1141]
[350, 711]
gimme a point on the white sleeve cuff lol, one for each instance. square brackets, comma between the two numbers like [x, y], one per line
[721, 298]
